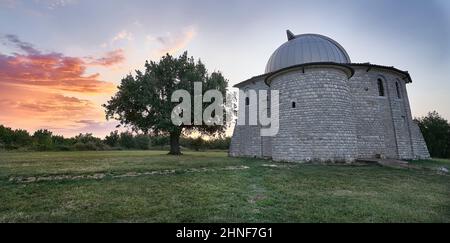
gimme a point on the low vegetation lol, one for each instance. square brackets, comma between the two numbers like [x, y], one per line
[45, 140]
[150, 186]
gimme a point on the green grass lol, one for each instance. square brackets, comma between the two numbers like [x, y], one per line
[287, 193]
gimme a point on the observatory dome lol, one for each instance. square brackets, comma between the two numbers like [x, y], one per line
[306, 48]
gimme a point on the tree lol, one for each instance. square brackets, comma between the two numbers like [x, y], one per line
[113, 139]
[58, 140]
[43, 139]
[143, 101]
[142, 141]
[197, 143]
[436, 132]
[88, 142]
[14, 138]
[6, 135]
[126, 140]
[21, 138]
[87, 138]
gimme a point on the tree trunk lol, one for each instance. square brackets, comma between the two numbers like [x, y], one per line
[175, 143]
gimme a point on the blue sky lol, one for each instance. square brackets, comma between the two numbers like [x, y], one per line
[236, 37]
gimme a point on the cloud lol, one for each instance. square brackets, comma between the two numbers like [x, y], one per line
[8, 3]
[173, 43]
[47, 4]
[33, 109]
[109, 59]
[23, 46]
[53, 70]
[59, 106]
[98, 128]
[123, 35]
[89, 126]
[24, 105]
[51, 90]
[54, 4]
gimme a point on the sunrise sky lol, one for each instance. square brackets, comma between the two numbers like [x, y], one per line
[61, 59]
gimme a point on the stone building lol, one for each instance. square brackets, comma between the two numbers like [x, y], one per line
[330, 109]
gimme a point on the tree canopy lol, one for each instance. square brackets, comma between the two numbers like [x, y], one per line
[436, 132]
[143, 101]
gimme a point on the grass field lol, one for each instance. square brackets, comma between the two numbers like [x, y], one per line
[149, 186]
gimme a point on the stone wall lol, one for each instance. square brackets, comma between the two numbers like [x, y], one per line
[384, 123]
[321, 126]
[419, 145]
[335, 118]
[373, 115]
[247, 140]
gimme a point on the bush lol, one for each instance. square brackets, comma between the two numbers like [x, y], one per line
[197, 143]
[142, 141]
[63, 148]
[113, 139]
[126, 140]
[43, 139]
[41, 147]
[159, 141]
[89, 146]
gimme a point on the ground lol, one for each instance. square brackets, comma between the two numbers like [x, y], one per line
[149, 186]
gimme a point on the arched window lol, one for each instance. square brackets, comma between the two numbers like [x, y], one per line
[380, 87]
[398, 90]
[247, 101]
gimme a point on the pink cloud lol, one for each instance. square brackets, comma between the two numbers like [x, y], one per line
[109, 59]
[52, 90]
[54, 70]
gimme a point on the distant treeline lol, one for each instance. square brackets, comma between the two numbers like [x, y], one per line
[44, 140]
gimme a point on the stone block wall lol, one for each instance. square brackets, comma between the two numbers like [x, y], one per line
[320, 126]
[335, 118]
[384, 123]
[247, 140]
[373, 116]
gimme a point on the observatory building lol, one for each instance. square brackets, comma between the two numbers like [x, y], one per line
[330, 109]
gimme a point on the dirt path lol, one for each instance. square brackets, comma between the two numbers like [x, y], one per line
[99, 176]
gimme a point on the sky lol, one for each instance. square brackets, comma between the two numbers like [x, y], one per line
[60, 60]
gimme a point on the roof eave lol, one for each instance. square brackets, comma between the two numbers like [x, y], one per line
[349, 70]
[405, 74]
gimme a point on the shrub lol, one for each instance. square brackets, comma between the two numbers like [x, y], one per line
[42, 140]
[113, 139]
[142, 141]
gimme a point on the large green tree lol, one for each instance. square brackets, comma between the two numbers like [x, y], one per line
[436, 132]
[143, 102]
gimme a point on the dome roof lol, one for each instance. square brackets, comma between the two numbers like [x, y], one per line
[306, 48]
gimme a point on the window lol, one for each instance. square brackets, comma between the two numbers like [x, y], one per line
[398, 90]
[380, 87]
[247, 101]
[294, 104]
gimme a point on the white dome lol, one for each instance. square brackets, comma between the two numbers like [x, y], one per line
[306, 48]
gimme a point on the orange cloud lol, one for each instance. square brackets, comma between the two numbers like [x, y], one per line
[22, 107]
[43, 90]
[54, 70]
